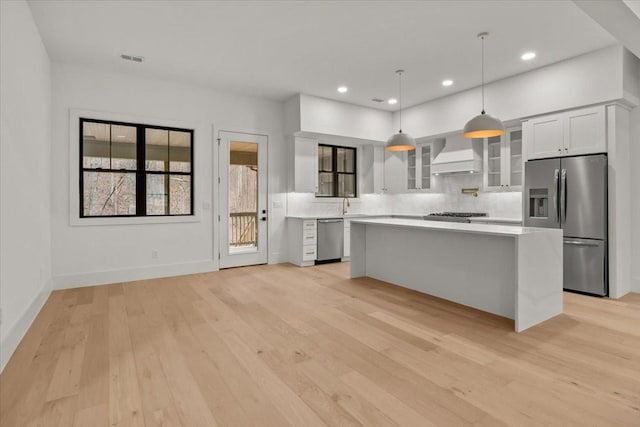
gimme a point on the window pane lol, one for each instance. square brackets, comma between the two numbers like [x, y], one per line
[96, 145]
[346, 185]
[324, 158]
[325, 185]
[123, 147]
[180, 195]
[156, 149]
[179, 151]
[346, 157]
[109, 193]
[157, 194]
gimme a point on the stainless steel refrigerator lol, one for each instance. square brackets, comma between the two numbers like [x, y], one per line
[571, 193]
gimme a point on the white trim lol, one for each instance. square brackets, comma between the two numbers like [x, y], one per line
[10, 341]
[81, 280]
[251, 132]
[74, 173]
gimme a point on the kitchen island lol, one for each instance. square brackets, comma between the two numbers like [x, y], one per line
[510, 271]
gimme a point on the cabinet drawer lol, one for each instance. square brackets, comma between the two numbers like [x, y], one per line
[309, 225]
[309, 237]
[309, 253]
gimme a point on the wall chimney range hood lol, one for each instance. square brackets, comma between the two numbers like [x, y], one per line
[457, 156]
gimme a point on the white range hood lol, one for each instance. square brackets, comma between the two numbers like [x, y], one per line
[457, 156]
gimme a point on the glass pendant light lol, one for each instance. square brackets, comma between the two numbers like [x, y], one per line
[400, 141]
[483, 125]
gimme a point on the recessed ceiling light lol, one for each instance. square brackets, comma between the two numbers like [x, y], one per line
[447, 82]
[343, 89]
[392, 101]
[528, 56]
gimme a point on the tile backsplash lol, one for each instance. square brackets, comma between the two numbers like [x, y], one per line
[495, 204]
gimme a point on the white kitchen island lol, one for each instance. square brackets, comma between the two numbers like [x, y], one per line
[511, 271]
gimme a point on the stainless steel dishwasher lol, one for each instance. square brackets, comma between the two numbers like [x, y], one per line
[330, 240]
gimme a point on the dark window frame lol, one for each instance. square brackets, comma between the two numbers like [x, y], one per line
[334, 171]
[140, 171]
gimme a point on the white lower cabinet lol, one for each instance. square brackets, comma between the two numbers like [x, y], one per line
[303, 242]
[346, 248]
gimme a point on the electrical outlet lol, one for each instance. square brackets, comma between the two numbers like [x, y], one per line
[154, 253]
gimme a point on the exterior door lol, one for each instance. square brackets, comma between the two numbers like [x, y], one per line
[242, 165]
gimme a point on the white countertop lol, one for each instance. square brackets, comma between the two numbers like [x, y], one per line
[350, 216]
[496, 219]
[461, 227]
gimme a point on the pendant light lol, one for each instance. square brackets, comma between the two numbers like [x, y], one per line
[483, 125]
[400, 141]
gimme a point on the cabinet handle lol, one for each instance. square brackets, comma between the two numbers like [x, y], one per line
[566, 149]
[559, 149]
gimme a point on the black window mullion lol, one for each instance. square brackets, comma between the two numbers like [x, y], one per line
[334, 167]
[81, 180]
[141, 173]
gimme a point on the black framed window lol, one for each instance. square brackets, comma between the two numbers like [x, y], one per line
[336, 171]
[132, 169]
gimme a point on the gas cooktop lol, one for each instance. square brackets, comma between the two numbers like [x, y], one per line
[458, 214]
[453, 216]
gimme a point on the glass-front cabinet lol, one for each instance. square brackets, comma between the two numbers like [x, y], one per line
[503, 162]
[419, 167]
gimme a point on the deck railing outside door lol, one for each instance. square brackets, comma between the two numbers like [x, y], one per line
[243, 229]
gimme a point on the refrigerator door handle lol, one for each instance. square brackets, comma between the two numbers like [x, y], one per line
[563, 196]
[555, 194]
[578, 243]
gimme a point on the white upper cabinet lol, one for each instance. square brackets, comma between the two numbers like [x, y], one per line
[305, 165]
[419, 168]
[565, 134]
[502, 168]
[585, 131]
[395, 171]
[372, 169]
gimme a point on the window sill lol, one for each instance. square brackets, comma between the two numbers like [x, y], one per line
[91, 222]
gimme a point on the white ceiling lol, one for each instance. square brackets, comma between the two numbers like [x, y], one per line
[276, 48]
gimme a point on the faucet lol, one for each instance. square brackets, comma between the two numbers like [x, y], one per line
[344, 207]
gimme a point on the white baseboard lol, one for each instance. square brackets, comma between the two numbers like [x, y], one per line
[10, 341]
[68, 281]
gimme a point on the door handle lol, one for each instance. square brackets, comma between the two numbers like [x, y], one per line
[578, 243]
[563, 196]
[555, 194]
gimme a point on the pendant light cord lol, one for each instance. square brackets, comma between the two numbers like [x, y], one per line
[482, 73]
[400, 96]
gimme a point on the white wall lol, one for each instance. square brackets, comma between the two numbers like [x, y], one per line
[592, 78]
[635, 199]
[25, 133]
[85, 255]
[325, 116]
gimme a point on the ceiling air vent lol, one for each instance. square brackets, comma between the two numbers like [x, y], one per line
[132, 58]
[378, 100]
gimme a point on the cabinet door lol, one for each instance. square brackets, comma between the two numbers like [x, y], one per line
[493, 163]
[395, 172]
[513, 158]
[425, 166]
[585, 131]
[305, 165]
[544, 136]
[371, 165]
[413, 171]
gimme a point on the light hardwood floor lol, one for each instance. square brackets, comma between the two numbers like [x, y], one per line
[281, 345]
